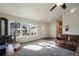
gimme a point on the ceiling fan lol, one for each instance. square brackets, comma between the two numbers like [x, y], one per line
[63, 5]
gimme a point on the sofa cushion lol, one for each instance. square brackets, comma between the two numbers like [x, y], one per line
[74, 37]
[63, 37]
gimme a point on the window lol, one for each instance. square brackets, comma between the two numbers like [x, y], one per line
[15, 28]
[22, 29]
[33, 29]
[26, 29]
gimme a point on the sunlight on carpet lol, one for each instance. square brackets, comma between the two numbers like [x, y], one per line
[47, 45]
[33, 47]
[39, 46]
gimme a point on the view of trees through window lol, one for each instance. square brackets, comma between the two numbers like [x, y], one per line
[33, 29]
[26, 29]
[22, 29]
[15, 28]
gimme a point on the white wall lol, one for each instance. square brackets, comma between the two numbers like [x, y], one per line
[71, 19]
[49, 29]
[53, 29]
[42, 27]
[53, 26]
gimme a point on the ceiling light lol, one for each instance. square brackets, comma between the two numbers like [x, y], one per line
[72, 10]
[59, 4]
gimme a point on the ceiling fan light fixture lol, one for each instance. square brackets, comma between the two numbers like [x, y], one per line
[63, 5]
[59, 4]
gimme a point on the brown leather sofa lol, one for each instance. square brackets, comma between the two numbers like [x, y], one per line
[68, 41]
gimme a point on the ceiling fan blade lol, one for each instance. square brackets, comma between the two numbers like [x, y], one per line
[64, 6]
[53, 7]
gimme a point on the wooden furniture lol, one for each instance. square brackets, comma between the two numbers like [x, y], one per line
[17, 47]
[63, 39]
[61, 43]
[59, 24]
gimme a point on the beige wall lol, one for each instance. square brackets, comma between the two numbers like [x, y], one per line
[52, 29]
[42, 27]
[73, 21]
[49, 29]
[53, 26]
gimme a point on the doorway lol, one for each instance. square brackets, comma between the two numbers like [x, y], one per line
[59, 26]
[3, 26]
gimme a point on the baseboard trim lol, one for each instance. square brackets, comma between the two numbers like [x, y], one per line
[30, 41]
[46, 38]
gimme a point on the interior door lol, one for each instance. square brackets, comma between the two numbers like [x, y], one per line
[3, 26]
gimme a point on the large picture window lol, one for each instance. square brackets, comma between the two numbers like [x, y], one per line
[33, 29]
[26, 29]
[15, 28]
[23, 29]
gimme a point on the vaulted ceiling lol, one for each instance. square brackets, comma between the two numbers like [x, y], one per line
[35, 11]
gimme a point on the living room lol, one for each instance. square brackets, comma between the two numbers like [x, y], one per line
[36, 30]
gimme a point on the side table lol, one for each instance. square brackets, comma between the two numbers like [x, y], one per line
[17, 47]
